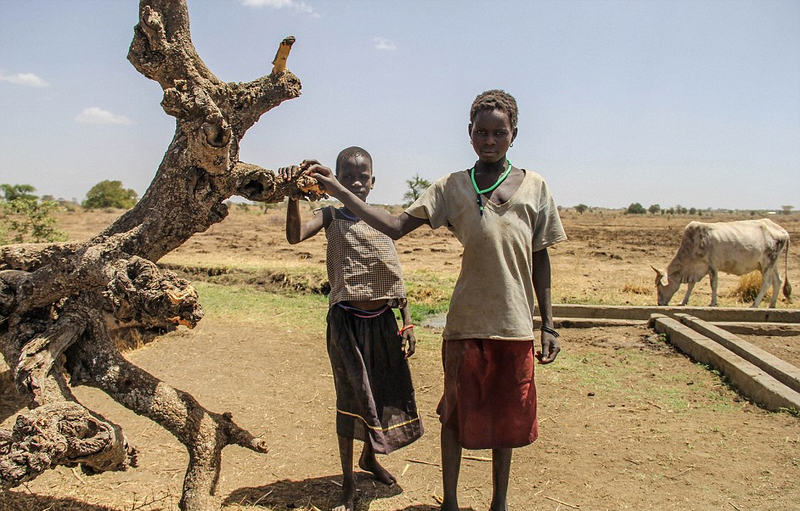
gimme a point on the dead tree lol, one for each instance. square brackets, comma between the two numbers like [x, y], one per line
[61, 305]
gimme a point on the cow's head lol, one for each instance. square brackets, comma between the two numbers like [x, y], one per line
[665, 287]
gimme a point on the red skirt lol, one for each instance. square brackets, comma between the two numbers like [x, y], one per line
[489, 394]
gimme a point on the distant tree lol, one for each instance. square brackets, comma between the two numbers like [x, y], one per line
[416, 186]
[269, 206]
[636, 209]
[581, 208]
[692, 211]
[654, 208]
[13, 192]
[787, 209]
[684, 211]
[24, 220]
[244, 207]
[110, 194]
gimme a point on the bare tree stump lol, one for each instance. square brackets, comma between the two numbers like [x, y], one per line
[61, 303]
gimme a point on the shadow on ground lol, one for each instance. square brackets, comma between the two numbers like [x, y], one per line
[18, 501]
[318, 493]
[322, 492]
[426, 507]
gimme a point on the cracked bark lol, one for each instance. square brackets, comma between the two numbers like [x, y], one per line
[62, 304]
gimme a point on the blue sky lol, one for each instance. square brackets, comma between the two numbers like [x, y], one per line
[681, 102]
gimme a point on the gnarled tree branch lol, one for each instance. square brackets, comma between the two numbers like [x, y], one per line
[62, 304]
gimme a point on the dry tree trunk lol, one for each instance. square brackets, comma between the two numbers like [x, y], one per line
[61, 304]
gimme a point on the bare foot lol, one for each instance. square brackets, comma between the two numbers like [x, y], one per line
[370, 464]
[347, 499]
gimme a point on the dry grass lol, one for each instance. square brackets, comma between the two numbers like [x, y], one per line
[637, 288]
[605, 261]
[747, 289]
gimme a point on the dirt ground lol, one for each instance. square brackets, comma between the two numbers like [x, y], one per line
[626, 422]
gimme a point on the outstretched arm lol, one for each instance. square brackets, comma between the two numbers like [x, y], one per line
[393, 226]
[541, 286]
[296, 229]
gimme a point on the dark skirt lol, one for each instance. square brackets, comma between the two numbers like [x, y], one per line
[489, 393]
[374, 394]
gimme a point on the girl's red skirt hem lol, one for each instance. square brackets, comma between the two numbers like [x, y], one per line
[489, 393]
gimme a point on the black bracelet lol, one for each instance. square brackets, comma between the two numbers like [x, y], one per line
[549, 331]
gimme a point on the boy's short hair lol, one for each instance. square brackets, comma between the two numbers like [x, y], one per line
[495, 99]
[352, 152]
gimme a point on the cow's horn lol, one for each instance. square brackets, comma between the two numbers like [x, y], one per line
[661, 276]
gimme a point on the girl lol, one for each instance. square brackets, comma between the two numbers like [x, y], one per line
[505, 218]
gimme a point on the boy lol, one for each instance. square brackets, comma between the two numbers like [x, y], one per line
[374, 394]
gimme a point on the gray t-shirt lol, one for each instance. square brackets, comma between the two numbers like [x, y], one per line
[494, 296]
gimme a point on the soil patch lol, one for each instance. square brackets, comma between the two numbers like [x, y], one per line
[786, 348]
[626, 422]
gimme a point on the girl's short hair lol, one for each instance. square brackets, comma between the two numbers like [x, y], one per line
[495, 99]
[352, 152]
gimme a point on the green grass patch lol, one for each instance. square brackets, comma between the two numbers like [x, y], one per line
[428, 293]
[590, 370]
[635, 377]
[243, 290]
[301, 311]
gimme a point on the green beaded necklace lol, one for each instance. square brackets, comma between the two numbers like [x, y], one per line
[497, 183]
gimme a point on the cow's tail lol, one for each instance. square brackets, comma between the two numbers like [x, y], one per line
[787, 288]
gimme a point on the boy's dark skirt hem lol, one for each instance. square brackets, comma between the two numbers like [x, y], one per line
[489, 395]
[374, 393]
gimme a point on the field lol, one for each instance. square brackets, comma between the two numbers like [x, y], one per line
[626, 422]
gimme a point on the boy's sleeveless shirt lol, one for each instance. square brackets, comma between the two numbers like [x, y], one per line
[362, 263]
[494, 295]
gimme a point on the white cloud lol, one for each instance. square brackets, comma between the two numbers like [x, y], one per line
[381, 43]
[300, 6]
[304, 7]
[26, 79]
[96, 115]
